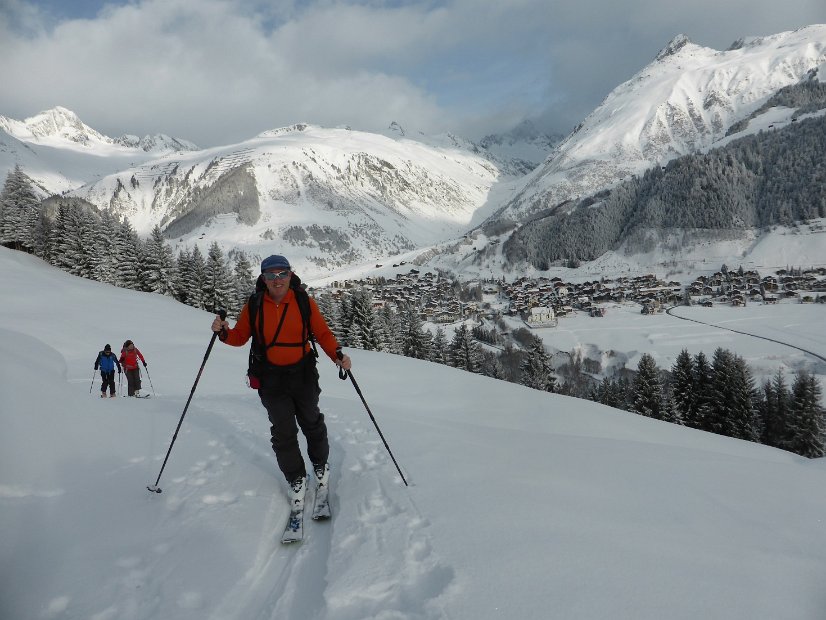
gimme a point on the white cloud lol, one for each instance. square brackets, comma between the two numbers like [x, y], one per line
[217, 71]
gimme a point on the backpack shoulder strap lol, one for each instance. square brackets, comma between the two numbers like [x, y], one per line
[303, 301]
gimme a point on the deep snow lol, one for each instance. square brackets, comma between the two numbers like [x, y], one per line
[521, 505]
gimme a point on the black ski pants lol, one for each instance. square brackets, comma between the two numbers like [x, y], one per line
[133, 380]
[108, 380]
[291, 401]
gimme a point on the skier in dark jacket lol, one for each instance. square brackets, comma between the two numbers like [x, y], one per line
[107, 361]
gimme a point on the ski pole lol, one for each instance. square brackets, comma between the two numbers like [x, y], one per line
[146, 368]
[154, 488]
[93, 380]
[343, 374]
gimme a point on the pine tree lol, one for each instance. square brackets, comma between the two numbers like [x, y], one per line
[244, 280]
[414, 340]
[807, 417]
[610, 392]
[219, 291]
[44, 231]
[159, 270]
[19, 212]
[393, 330]
[464, 352]
[744, 421]
[682, 389]
[128, 249]
[342, 333]
[721, 396]
[492, 366]
[362, 333]
[53, 242]
[103, 258]
[703, 415]
[439, 347]
[76, 246]
[776, 399]
[536, 369]
[648, 390]
[184, 276]
[331, 311]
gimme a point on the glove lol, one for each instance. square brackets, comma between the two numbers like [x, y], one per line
[144, 364]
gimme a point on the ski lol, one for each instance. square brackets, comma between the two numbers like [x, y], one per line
[321, 505]
[294, 530]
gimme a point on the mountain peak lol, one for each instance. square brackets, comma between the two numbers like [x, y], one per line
[395, 128]
[674, 46]
[63, 123]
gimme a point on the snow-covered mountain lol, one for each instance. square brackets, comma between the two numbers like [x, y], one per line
[683, 102]
[59, 152]
[58, 126]
[327, 197]
[334, 198]
[524, 145]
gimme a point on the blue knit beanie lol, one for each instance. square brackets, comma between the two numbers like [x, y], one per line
[276, 261]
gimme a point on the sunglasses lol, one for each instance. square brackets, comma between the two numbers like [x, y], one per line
[279, 275]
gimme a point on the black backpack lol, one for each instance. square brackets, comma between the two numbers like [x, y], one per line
[258, 363]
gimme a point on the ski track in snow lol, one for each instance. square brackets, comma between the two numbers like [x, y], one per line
[387, 576]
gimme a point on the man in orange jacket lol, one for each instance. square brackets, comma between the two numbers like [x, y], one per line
[286, 375]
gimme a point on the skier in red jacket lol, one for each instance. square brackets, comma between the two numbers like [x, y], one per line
[129, 356]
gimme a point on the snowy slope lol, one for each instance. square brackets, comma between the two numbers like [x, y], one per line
[521, 504]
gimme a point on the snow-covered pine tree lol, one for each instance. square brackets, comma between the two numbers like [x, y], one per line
[58, 232]
[611, 392]
[721, 395]
[536, 369]
[77, 243]
[184, 275]
[438, 347]
[415, 342]
[362, 333]
[775, 411]
[684, 398]
[392, 330]
[159, 270]
[219, 290]
[345, 321]
[244, 281]
[807, 417]
[104, 255]
[703, 414]
[744, 420]
[464, 352]
[43, 233]
[19, 211]
[129, 249]
[648, 390]
[331, 311]
[492, 366]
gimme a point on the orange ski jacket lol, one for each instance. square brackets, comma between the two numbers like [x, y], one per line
[291, 334]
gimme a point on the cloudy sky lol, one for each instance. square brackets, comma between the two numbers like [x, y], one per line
[221, 71]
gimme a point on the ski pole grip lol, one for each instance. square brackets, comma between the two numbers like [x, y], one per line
[342, 374]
